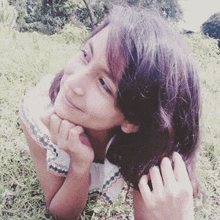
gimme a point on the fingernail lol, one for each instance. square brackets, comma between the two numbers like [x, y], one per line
[144, 178]
[176, 156]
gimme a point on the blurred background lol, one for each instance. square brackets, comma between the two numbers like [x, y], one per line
[196, 12]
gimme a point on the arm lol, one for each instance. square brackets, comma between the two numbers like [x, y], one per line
[171, 197]
[65, 197]
[46, 178]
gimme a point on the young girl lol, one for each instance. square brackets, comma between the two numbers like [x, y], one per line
[119, 111]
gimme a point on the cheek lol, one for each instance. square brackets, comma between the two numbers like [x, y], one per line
[105, 109]
[59, 107]
[97, 102]
[63, 80]
[73, 63]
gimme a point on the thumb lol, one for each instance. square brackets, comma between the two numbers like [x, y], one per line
[46, 117]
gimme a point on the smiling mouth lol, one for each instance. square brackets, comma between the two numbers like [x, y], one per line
[71, 104]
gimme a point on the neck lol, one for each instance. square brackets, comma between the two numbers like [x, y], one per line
[99, 141]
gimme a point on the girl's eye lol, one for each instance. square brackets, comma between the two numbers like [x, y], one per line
[85, 54]
[104, 85]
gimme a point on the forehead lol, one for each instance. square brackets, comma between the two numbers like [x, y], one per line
[98, 43]
[100, 46]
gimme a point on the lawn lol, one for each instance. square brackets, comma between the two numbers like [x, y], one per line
[24, 59]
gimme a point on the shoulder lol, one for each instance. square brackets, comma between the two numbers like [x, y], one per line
[33, 105]
[37, 99]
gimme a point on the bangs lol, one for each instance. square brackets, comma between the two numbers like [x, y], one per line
[115, 55]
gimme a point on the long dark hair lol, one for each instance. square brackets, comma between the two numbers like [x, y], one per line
[158, 90]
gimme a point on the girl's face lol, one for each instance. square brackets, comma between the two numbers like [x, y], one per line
[87, 91]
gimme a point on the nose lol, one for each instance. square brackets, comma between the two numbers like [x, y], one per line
[78, 91]
[77, 82]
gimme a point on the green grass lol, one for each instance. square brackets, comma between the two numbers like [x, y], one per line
[208, 55]
[24, 59]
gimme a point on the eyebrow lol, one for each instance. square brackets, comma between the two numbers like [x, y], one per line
[109, 74]
[91, 47]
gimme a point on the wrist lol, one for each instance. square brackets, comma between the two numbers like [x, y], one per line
[81, 162]
[80, 167]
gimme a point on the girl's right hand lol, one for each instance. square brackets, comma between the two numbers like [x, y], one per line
[70, 138]
[172, 194]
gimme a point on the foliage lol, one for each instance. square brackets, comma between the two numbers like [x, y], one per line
[212, 26]
[169, 9]
[204, 48]
[72, 33]
[80, 13]
[8, 14]
[50, 16]
[207, 53]
[45, 16]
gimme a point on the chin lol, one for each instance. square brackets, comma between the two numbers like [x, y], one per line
[59, 110]
[63, 112]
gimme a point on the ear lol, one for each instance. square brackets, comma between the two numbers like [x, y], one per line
[128, 127]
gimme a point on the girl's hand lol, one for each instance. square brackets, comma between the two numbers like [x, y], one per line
[70, 138]
[172, 194]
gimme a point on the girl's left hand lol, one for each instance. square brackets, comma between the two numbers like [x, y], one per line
[172, 194]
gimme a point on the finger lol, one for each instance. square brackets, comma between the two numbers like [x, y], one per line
[46, 117]
[156, 179]
[180, 170]
[145, 190]
[55, 123]
[167, 172]
[75, 132]
[64, 129]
